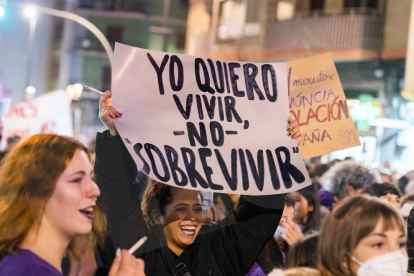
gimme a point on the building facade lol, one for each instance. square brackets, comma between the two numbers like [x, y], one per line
[367, 38]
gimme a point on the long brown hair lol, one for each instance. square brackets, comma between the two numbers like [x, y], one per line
[347, 225]
[27, 180]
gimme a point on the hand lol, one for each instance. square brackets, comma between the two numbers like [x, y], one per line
[127, 265]
[291, 231]
[294, 130]
[107, 113]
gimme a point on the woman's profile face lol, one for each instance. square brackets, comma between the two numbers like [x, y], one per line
[69, 210]
[183, 218]
[301, 209]
[379, 242]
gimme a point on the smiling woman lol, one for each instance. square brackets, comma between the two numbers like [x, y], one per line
[178, 211]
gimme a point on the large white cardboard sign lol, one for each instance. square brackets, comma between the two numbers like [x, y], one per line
[207, 125]
[49, 113]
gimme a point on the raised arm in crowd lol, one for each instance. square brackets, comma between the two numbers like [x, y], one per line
[172, 217]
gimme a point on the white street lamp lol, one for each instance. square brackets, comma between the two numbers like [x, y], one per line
[2, 12]
[74, 91]
[30, 90]
[30, 12]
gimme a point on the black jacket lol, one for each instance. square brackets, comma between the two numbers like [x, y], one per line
[230, 248]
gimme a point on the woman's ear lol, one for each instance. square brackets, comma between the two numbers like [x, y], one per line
[311, 208]
[156, 217]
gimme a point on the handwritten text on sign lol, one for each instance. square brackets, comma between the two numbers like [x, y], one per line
[207, 124]
[318, 102]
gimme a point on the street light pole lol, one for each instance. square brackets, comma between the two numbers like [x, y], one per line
[78, 19]
[32, 32]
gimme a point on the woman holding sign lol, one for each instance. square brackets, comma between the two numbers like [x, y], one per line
[48, 209]
[172, 217]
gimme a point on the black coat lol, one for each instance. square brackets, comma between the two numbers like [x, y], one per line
[230, 248]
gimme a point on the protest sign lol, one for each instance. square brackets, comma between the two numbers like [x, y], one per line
[49, 113]
[206, 124]
[318, 102]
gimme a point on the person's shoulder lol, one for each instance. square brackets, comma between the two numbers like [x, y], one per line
[24, 262]
[27, 270]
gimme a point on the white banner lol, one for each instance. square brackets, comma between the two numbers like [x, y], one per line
[49, 113]
[206, 124]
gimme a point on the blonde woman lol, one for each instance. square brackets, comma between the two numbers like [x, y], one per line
[48, 209]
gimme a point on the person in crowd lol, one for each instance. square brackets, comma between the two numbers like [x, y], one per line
[386, 191]
[274, 253]
[334, 162]
[172, 217]
[302, 253]
[410, 241]
[407, 203]
[363, 236]
[386, 175]
[48, 207]
[282, 230]
[11, 144]
[347, 179]
[403, 182]
[316, 174]
[91, 148]
[306, 213]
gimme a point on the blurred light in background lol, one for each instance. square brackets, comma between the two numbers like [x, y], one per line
[30, 90]
[2, 12]
[30, 12]
[285, 10]
[74, 91]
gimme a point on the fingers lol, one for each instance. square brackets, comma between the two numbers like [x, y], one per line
[141, 267]
[292, 122]
[293, 233]
[294, 226]
[109, 112]
[115, 264]
[129, 265]
[104, 99]
[293, 130]
[113, 113]
[296, 135]
[292, 126]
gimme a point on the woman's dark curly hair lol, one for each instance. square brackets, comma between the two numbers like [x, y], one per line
[156, 197]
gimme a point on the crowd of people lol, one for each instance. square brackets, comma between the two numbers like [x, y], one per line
[60, 215]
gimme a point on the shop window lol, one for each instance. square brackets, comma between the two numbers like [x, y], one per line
[54, 70]
[317, 5]
[58, 31]
[180, 40]
[372, 4]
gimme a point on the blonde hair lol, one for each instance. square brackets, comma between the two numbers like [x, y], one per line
[27, 180]
[347, 225]
[301, 271]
